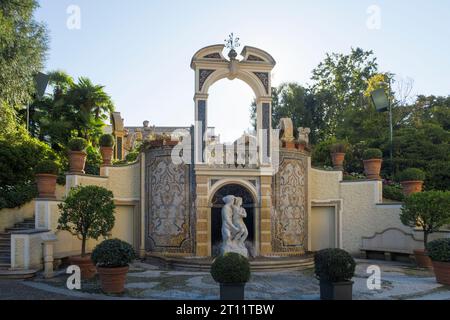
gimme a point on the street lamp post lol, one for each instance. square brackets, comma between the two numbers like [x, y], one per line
[40, 82]
[383, 103]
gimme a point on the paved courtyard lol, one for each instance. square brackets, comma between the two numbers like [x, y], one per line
[399, 281]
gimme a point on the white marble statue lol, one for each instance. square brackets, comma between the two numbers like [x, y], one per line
[234, 231]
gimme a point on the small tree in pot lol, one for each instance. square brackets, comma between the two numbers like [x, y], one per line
[232, 271]
[46, 175]
[112, 258]
[411, 180]
[77, 155]
[107, 148]
[439, 252]
[372, 163]
[87, 212]
[429, 211]
[335, 269]
[338, 151]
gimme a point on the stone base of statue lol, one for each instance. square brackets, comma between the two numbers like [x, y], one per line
[233, 246]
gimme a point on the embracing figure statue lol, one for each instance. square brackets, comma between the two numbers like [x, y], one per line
[234, 230]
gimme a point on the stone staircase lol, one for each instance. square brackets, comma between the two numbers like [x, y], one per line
[5, 241]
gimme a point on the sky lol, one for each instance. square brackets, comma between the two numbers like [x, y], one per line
[140, 50]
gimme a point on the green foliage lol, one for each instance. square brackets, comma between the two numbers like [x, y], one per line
[334, 265]
[48, 167]
[321, 153]
[354, 176]
[131, 156]
[338, 147]
[87, 212]
[17, 195]
[77, 144]
[93, 161]
[231, 268]
[23, 43]
[412, 174]
[113, 253]
[106, 140]
[372, 153]
[429, 210]
[393, 192]
[439, 250]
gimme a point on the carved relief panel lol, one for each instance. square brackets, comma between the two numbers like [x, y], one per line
[290, 213]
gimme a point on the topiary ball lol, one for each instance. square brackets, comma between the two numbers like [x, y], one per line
[412, 174]
[106, 140]
[113, 253]
[439, 250]
[231, 268]
[334, 265]
[77, 144]
[372, 153]
[47, 167]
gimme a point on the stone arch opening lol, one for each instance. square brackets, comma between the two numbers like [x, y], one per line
[248, 202]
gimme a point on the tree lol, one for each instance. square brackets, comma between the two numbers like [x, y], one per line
[428, 210]
[23, 43]
[87, 212]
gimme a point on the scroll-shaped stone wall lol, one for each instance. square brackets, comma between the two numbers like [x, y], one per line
[290, 210]
[168, 204]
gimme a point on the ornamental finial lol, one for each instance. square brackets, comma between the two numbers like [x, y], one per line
[232, 43]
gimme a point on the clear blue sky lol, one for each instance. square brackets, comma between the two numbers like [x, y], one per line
[141, 49]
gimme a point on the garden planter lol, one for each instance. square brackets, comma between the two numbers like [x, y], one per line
[107, 154]
[46, 184]
[156, 143]
[77, 159]
[113, 279]
[336, 290]
[232, 291]
[422, 259]
[442, 272]
[372, 168]
[338, 160]
[86, 265]
[412, 186]
[171, 142]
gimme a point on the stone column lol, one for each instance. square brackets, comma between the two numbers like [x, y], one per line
[265, 216]
[201, 126]
[48, 240]
[264, 127]
[203, 243]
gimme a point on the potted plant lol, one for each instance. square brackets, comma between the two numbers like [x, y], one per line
[335, 269]
[87, 212]
[107, 148]
[46, 174]
[372, 159]
[429, 211]
[338, 151]
[112, 258]
[77, 155]
[439, 252]
[232, 271]
[411, 180]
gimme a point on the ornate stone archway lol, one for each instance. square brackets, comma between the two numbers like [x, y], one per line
[255, 67]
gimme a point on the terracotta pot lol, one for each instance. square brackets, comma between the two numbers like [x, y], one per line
[46, 184]
[338, 160]
[442, 272]
[107, 154]
[171, 142]
[86, 265]
[372, 168]
[113, 279]
[300, 146]
[156, 143]
[77, 159]
[412, 186]
[422, 259]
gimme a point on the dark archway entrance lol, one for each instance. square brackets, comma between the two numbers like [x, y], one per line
[216, 215]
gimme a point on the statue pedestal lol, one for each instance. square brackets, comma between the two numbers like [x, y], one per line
[234, 247]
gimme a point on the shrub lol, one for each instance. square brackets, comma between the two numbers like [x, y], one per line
[439, 250]
[412, 174]
[77, 144]
[372, 153]
[338, 147]
[93, 161]
[393, 193]
[429, 210]
[87, 212]
[106, 140]
[132, 156]
[231, 268]
[48, 167]
[113, 253]
[334, 265]
[354, 176]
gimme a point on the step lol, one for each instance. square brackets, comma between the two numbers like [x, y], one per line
[15, 229]
[24, 225]
[5, 273]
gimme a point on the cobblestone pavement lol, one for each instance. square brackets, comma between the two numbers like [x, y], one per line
[398, 281]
